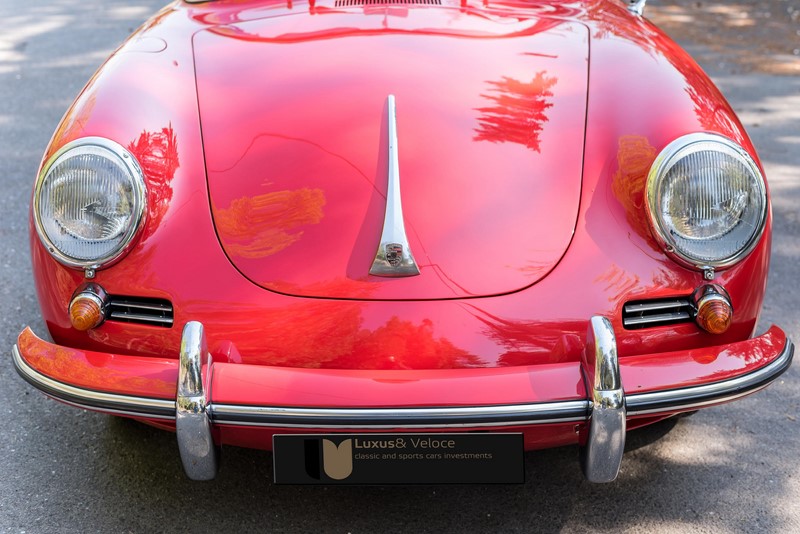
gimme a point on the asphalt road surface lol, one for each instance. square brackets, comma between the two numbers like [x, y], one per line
[732, 468]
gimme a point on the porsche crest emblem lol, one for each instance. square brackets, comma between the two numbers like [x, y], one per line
[394, 254]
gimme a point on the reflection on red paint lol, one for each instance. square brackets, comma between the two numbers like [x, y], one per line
[262, 225]
[634, 158]
[531, 342]
[97, 370]
[704, 357]
[617, 281]
[157, 153]
[400, 344]
[518, 111]
[327, 334]
[316, 124]
[713, 112]
[384, 20]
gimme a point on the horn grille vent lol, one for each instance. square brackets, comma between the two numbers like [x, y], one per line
[146, 311]
[650, 313]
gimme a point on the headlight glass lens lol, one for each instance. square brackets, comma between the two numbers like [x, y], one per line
[89, 202]
[707, 200]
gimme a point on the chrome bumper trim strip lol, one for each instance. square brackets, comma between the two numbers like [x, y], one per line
[473, 417]
[692, 397]
[354, 418]
[94, 400]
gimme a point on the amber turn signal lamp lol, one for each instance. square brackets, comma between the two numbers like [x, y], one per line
[714, 309]
[87, 308]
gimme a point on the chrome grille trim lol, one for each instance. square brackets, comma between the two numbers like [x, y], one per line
[154, 312]
[662, 318]
[646, 314]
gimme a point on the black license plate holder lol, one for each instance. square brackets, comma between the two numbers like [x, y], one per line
[398, 458]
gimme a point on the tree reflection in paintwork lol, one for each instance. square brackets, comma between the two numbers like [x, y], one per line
[634, 158]
[712, 113]
[621, 285]
[400, 344]
[91, 369]
[326, 334]
[617, 283]
[262, 225]
[532, 342]
[157, 153]
[518, 111]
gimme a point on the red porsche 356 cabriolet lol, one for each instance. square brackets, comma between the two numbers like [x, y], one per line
[400, 241]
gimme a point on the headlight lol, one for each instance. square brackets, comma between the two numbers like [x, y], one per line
[707, 201]
[89, 202]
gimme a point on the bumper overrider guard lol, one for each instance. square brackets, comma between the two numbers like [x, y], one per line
[603, 411]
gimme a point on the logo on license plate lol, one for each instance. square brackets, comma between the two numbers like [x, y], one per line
[398, 459]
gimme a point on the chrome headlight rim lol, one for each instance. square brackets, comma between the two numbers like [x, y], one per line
[138, 214]
[666, 159]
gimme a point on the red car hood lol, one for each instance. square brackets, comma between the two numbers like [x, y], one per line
[490, 128]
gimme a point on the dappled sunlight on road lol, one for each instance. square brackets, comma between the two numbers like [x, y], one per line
[128, 13]
[771, 109]
[15, 34]
[756, 35]
[717, 450]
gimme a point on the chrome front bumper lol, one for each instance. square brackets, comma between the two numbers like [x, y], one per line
[604, 411]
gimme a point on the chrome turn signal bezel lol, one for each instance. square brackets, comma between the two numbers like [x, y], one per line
[711, 295]
[93, 293]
